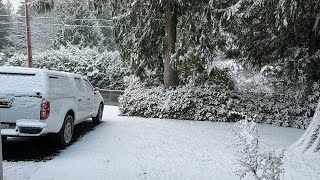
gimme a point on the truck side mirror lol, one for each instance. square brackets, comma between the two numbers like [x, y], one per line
[96, 90]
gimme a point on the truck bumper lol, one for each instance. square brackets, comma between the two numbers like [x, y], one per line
[26, 127]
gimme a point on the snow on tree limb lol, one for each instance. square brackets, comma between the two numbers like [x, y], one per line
[310, 140]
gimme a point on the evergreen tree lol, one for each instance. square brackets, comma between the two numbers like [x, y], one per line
[78, 25]
[5, 24]
[105, 20]
[283, 32]
[68, 22]
[17, 35]
[43, 29]
[164, 35]
[310, 140]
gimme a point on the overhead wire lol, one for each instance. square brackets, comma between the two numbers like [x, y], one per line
[66, 25]
[43, 17]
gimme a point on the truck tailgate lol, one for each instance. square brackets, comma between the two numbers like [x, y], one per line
[13, 108]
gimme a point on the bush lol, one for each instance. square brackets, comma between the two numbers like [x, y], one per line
[247, 139]
[103, 70]
[210, 102]
[140, 101]
[262, 166]
[188, 102]
[3, 59]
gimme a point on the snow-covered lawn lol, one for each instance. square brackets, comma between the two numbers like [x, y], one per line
[139, 148]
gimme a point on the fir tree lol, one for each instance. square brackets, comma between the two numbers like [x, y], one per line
[5, 24]
[158, 35]
[78, 25]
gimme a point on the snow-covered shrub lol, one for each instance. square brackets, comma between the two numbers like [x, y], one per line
[191, 102]
[222, 77]
[211, 102]
[262, 166]
[104, 70]
[271, 165]
[247, 139]
[202, 99]
[140, 101]
[3, 59]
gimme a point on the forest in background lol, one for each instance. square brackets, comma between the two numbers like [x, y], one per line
[177, 45]
[280, 38]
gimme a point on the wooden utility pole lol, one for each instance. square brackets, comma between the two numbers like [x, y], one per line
[28, 34]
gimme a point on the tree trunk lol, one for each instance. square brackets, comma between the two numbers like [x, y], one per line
[312, 43]
[170, 41]
[310, 140]
[313, 67]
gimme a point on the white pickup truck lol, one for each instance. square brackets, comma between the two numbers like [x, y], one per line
[36, 102]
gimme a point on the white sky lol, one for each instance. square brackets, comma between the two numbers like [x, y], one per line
[15, 3]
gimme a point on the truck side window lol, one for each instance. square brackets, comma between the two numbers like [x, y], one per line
[79, 84]
[88, 86]
[59, 85]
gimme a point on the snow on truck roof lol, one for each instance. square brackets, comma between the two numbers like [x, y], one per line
[26, 70]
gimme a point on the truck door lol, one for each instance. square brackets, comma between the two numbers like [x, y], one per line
[92, 104]
[81, 100]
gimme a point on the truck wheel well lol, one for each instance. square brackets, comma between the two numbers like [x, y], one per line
[70, 112]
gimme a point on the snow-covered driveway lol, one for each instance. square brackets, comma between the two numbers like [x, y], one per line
[139, 148]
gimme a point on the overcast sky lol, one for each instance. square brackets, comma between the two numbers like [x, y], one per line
[15, 3]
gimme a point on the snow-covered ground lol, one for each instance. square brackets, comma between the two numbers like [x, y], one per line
[139, 148]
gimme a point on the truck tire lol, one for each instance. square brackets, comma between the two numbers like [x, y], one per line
[64, 137]
[98, 118]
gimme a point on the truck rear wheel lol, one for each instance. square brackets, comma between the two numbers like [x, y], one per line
[64, 137]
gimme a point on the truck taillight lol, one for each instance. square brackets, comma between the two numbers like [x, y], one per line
[45, 109]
